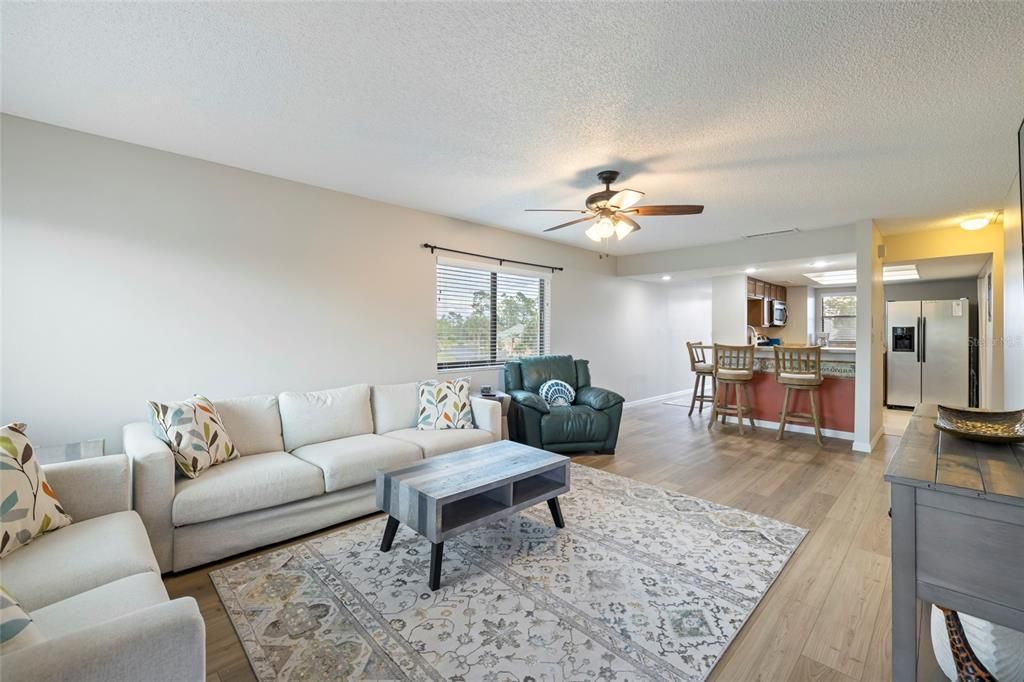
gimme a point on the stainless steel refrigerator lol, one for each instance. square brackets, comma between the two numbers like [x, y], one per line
[927, 352]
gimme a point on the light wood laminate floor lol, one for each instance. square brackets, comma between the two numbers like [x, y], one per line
[827, 617]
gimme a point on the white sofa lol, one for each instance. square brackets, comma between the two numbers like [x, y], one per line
[94, 591]
[309, 461]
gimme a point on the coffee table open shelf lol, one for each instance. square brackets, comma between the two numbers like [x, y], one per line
[445, 496]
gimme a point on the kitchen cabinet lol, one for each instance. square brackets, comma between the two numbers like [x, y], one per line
[757, 288]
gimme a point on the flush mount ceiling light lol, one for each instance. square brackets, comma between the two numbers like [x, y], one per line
[833, 277]
[899, 273]
[976, 223]
[750, 271]
[890, 273]
[665, 278]
[819, 263]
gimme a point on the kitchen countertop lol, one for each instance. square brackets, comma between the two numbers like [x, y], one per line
[833, 350]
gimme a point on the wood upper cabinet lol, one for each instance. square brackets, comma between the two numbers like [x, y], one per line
[760, 289]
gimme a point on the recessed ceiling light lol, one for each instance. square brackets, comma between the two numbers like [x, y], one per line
[819, 263]
[976, 223]
[750, 271]
[665, 278]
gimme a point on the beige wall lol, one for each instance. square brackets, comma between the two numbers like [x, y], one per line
[130, 273]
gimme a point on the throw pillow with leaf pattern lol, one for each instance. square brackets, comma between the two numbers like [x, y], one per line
[28, 506]
[444, 405]
[17, 630]
[194, 432]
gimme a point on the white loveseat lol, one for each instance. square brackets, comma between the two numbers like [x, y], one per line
[309, 461]
[94, 591]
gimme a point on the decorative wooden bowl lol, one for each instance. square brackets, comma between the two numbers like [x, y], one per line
[987, 426]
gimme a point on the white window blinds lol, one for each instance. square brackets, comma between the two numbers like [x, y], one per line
[839, 317]
[486, 316]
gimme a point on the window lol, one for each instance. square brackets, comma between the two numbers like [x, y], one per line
[486, 316]
[839, 318]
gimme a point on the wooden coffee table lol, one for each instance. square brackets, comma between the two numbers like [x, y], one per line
[444, 496]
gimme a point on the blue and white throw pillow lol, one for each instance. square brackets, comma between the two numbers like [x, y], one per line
[555, 392]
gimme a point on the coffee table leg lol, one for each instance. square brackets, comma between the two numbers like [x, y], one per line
[556, 512]
[436, 552]
[389, 534]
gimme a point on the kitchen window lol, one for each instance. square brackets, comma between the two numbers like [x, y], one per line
[839, 318]
[488, 315]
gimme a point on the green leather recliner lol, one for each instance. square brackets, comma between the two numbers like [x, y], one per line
[590, 424]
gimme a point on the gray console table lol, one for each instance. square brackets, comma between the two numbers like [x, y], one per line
[445, 496]
[957, 532]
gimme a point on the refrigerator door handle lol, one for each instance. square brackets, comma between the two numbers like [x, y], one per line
[924, 339]
[917, 346]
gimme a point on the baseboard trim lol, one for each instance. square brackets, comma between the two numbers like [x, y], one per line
[657, 398]
[798, 428]
[861, 446]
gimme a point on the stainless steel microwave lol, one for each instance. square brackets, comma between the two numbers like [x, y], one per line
[780, 314]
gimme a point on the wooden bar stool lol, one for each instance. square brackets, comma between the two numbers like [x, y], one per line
[798, 368]
[734, 366]
[702, 369]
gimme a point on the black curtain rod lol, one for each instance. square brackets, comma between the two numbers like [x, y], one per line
[501, 261]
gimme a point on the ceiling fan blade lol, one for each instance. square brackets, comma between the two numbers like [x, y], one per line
[571, 222]
[556, 210]
[667, 210]
[624, 198]
[634, 226]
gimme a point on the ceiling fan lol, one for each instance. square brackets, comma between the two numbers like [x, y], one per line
[612, 209]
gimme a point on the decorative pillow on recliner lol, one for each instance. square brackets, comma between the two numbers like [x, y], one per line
[194, 432]
[444, 405]
[17, 630]
[28, 506]
[556, 392]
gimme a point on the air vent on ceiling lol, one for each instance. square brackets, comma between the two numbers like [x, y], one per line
[776, 233]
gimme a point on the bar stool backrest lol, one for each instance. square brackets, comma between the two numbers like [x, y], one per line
[697, 355]
[740, 358]
[798, 360]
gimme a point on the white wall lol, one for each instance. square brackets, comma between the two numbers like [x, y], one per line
[729, 309]
[130, 273]
[868, 391]
[689, 316]
[1013, 301]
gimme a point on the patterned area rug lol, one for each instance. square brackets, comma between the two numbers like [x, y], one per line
[643, 583]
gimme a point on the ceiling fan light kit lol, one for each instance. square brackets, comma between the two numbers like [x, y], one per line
[612, 210]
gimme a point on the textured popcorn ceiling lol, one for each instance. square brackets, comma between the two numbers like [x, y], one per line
[773, 115]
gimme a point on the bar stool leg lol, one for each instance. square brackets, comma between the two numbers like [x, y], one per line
[814, 413]
[782, 417]
[725, 399]
[714, 404]
[739, 404]
[693, 398]
[750, 406]
[703, 387]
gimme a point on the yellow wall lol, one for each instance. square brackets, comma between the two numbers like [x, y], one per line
[954, 241]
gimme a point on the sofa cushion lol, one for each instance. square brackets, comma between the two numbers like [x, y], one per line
[82, 556]
[351, 461]
[443, 441]
[100, 604]
[253, 422]
[17, 628]
[194, 432]
[320, 416]
[28, 505]
[394, 407]
[574, 424]
[245, 484]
